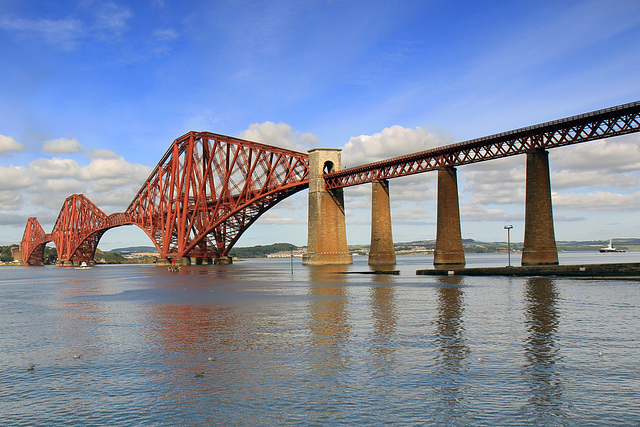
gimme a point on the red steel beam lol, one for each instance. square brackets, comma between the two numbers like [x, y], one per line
[209, 188]
[614, 121]
[33, 242]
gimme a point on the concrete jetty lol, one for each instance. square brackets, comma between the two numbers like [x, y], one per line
[621, 270]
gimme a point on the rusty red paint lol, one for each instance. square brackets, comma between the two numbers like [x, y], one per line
[203, 194]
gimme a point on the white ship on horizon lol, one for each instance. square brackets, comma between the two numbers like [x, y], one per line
[610, 248]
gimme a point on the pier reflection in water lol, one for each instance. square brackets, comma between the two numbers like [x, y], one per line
[329, 334]
[450, 348]
[314, 347]
[385, 320]
[542, 318]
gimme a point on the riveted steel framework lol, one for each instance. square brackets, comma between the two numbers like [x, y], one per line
[34, 240]
[203, 194]
[78, 230]
[609, 122]
[208, 189]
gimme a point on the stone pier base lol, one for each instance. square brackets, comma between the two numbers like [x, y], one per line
[223, 260]
[327, 235]
[449, 253]
[539, 246]
[381, 251]
[184, 260]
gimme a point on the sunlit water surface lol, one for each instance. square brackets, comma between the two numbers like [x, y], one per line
[316, 346]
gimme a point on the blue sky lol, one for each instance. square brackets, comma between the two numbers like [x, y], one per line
[93, 92]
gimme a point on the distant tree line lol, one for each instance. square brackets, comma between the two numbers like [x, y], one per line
[50, 254]
[5, 253]
[261, 251]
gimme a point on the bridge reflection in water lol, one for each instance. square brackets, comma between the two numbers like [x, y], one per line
[316, 346]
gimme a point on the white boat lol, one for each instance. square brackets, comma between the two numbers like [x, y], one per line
[610, 248]
[83, 266]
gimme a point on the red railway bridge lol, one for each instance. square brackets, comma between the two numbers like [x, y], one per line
[208, 189]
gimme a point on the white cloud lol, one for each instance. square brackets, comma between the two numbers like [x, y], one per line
[8, 144]
[111, 168]
[391, 142]
[107, 180]
[475, 212]
[502, 186]
[63, 32]
[14, 177]
[109, 20]
[415, 215]
[116, 197]
[102, 154]
[51, 193]
[601, 179]
[10, 200]
[165, 35]
[280, 135]
[61, 146]
[112, 18]
[597, 201]
[54, 168]
[613, 155]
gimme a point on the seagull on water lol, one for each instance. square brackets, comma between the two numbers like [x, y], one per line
[31, 367]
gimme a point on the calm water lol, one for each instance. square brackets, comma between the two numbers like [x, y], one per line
[316, 346]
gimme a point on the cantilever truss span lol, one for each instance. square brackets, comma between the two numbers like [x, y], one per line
[203, 194]
[208, 189]
[606, 123]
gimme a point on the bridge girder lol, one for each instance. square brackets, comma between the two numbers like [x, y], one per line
[609, 122]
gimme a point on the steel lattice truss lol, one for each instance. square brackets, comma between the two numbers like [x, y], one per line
[205, 192]
[34, 240]
[609, 122]
[208, 189]
[78, 229]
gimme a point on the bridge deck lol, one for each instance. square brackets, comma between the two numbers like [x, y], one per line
[605, 123]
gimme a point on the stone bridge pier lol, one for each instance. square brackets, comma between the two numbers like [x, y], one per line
[327, 234]
[539, 246]
[449, 253]
[327, 241]
[381, 251]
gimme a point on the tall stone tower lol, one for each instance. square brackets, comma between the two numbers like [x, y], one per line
[327, 238]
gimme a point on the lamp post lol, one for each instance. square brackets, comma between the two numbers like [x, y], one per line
[508, 228]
